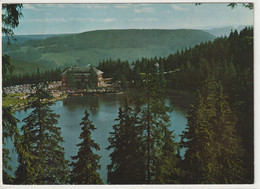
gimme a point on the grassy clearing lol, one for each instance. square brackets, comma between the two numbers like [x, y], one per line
[13, 99]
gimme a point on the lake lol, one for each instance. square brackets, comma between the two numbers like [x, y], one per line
[71, 111]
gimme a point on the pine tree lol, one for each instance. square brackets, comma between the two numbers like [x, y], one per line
[9, 132]
[161, 150]
[165, 157]
[162, 78]
[137, 75]
[43, 162]
[197, 138]
[124, 83]
[213, 154]
[84, 170]
[228, 143]
[26, 173]
[127, 158]
[93, 78]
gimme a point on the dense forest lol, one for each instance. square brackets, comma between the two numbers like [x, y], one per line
[94, 46]
[34, 78]
[218, 139]
[221, 73]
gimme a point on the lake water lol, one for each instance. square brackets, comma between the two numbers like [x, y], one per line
[71, 111]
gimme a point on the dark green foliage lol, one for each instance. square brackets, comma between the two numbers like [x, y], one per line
[137, 75]
[144, 150]
[9, 123]
[34, 78]
[115, 69]
[161, 150]
[110, 39]
[11, 13]
[229, 143]
[247, 5]
[220, 135]
[124, 83]
[213, 154]
[9, 132]
[128, 155]
[95, 46]
[26, 172]
[236, 50]
[230, 61]
[86, 163]
[10, 20]
[119, 70]
[161, 75]
[93, 80]
[43, 162]
[7, 66]
[7, 178]
[200, 161]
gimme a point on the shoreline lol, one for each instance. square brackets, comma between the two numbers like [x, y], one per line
[22, 106]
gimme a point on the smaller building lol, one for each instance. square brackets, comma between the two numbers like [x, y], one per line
[82, 77]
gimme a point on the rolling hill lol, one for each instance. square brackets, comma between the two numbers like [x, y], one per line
[94, 46]
[22, 38]
[225, 31]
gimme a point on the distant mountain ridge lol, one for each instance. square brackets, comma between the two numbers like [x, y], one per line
[225, 31]
[95, 46]
[22, 38]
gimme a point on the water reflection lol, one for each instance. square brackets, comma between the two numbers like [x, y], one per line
[180, 100]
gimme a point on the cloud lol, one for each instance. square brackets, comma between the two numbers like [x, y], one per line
[145, 19]
[63, 20]
[31, 7]
[90, 6]
[39, 7]
[45, 20]
[104, 20]
[54, 5]
[178, 8]
[144, 10]
[122, 6]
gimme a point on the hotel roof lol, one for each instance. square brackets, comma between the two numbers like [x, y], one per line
[81, 70]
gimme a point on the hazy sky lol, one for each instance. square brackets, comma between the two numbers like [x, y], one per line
[76, 18]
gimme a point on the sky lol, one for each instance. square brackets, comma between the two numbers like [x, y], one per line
[77, 18]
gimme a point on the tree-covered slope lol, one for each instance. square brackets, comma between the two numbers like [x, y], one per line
[22, 38]
[95, 46]
[107, 39]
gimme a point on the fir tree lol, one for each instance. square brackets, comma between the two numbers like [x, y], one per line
[93, 78]
[43, 162]
[162, 78]
[127, 158]
[11, 13]
[9, 122]
[213, 154]
[161, 150]
[200, 159]
[137, 75]
[26, 173]
[9, 132]
[84, 170]
[228, 143]
[124, 84]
